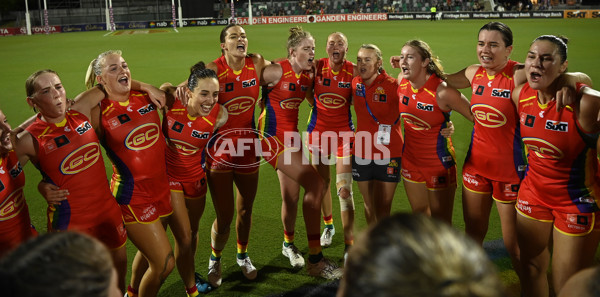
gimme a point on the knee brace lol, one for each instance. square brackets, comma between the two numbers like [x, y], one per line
[344, 181]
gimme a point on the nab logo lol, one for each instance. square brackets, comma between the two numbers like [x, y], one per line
[327, 82]
[81, 159]
[557, 126]
[291, 103]
[416, 122]
[142, 137]
[501, 93]
[83, 128]
[184, 148]
[239, 105]
[576, 14]
[331, 100]
[344, 85]
[147, 109]
[488, 116]
[424, 106]
[543, 148]
[249, 83]
[200, 134]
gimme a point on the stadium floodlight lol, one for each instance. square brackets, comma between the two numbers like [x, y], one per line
[27, 19]
[46, 26]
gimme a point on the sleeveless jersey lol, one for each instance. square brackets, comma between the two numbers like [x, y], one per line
[282, 102]
[69, 156]
[562, 166]
[133, 141]
[496, 151]
[381, 98]
[238, 92]
[332, 96]
[423, 120]
[13, 207]
[187, 138]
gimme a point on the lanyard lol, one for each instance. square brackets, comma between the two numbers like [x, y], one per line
[369, 108]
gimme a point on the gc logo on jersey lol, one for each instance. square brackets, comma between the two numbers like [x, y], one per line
[291, 103]
[557, 126]
[488, 116]
[142, 137]
[239, 105]
[415, 121]
[80, 159]
[543, 148]
[332, 100]
[184, 148]
[12, 205]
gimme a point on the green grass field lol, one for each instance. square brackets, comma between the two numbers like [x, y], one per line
[163, 55]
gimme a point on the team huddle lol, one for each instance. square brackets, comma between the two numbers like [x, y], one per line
[532, 151]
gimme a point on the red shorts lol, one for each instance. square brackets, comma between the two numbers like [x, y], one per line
[15, 231]
[504, 192]
[151, 200]
[273, 147]
[191, 190]
[434, 177]
[110, 232]
[574, 224]
[236, 153]
[324, 143]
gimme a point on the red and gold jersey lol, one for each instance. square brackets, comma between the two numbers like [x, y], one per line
[133, 141]
[238, 92]
[332, 95]
[69, 156]
[15, 224]
[496, 150]
[423, 120]
[187, 138]
[374, 105]
[562, 166]
[282, 102]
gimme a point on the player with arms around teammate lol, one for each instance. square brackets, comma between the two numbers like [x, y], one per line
[429, 162]
[378, 140]
[558, 198]
[287, 83]
[331, 132]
